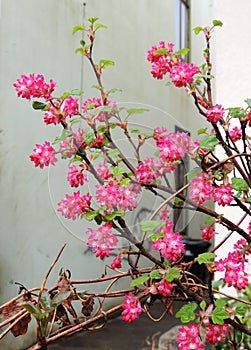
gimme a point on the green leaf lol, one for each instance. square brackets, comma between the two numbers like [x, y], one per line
[113, 152]
[219, 315]
[117, 170]
[76, 92]
[162, 51]
[236, 112]
[192, 173]
[183, 51]
[197, 30]
[77, 28]
[139, 280]
[241, 310]
[186, 312]
[220, 302]
[113, 215]
[60, 297]
[75, 120]
[209, 220]
[206, 258]
[248, 102]
[106, 63]
[112, 91]
[217, 23]
[40, 105]
[90, 215]
[209, 142]
[65, 133]
[155, 275]
[149, 225]
[202, 131]
[76, 158]
[125, 182]
[203, 305]
[45, 300]
[239, 184]
[133, 111]
[135, 131]
[92, 19]
[100, 25]
[173, 273]
[96, 154]
[34, 310]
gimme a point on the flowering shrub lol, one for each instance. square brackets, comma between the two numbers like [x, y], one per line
[92, 153]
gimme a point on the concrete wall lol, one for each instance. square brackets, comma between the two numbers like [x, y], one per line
[36, 38]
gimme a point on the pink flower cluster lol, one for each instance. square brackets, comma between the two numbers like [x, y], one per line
[116, 263]
[102, 241]
[234, 266]
[216, 333]
[75, 176]
[59, 110]
[165, 61]
[34, 86]
[201, 190]
[74, 206]
[169, 244]
[207, 232]
[235, 134]
[43, 155]
[93, 103]
[132, 308]
[112, 195]
[189, 338]
[215, 113]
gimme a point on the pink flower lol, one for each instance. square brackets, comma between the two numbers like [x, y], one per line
[116, 263]
[74, 206]
[67, 147]
[93, 103]
[34, 86]
[215, 113]
[207, 232]
[216, 333]
[52, 116]
[182, 74]
[102, 241]
[132, 309]
[169, 243]
[103, 172]
[165, 287]
[76, 176]
[235, 134]
[70, 106]
[43, 155]
[168, 50]
[189, 338]
[223, 195]
[200, 189]
[161, 68]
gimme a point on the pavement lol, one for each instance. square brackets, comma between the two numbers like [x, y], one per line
[143, 334]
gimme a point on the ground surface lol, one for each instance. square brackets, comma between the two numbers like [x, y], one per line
[118, 335]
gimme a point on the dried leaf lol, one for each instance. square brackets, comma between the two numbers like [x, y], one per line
[21, 327]
[228, 167]
[87, 306]
[11, 309]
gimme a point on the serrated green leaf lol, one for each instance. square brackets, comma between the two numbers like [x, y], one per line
[45, 300]
[106, 63]
[162, 51]
[172, 274]
[186, 312]
[149, 225]
[113, 152]
[96, 154]
[219, 315]
[65, 133]
[60, 297]
[112, 91]
[203, 305]
[133, 111]
[80, 50]
[183, 51]
[155, 275]
[125, 182]
[139, 280]
[135, 131]
[65, 95]
[113, 215]
[240, 310]
[202, 131]
[90, 215]
[239, 184]
[209, 220]
[217, 23]
[117, 170]
[100, 25]
[197, 30]
[236, 112]
[206, 258]
[40, 105]
[76, 158]
[220, 302]
[77, 28]
[209, 142]
[76, 92]
[248, 102]
[192, 174]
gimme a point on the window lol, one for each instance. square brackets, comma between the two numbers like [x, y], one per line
[182, 25]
